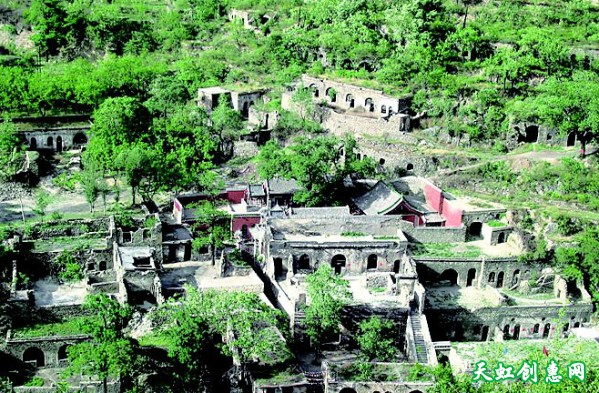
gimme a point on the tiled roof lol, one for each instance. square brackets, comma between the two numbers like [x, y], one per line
[283, 186]
[379, 200]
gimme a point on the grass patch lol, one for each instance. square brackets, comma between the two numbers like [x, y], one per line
[496, 224]
[353, 234]
[62, 243]
[62, 328]
[386, 237]
[160, 340]
[378, 289]
[446, 250]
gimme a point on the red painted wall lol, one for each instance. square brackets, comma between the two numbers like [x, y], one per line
[235, 196]
[239, 222]
[434, 197]
[453, 216]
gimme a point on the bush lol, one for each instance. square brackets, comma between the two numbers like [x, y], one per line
[35, 381]
[56, 216]
[69, 269]
[566, 225]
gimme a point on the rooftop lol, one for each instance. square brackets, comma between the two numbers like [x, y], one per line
[379, 200]
[280, 186]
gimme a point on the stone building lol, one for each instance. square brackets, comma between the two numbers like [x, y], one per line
[357, 110]
[55, 133]
[241, 101]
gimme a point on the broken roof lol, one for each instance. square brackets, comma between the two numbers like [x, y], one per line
[282, 186]
[379, 200]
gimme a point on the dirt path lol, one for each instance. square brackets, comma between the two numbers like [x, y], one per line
[531, 156]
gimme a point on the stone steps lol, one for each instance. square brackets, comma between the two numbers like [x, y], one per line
[421, 352]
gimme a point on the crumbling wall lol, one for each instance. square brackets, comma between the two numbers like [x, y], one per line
[467, 325]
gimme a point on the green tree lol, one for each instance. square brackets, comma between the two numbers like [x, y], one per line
[572, 106]
[318, 166]
[378, 339]
[227, 123]
[11, 148]
[248, 328]
[327, 295]
[211, 227]
[118, 123]
[92, 182]
[109, 353]
[42, 201]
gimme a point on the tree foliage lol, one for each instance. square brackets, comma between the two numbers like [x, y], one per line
[327, 294]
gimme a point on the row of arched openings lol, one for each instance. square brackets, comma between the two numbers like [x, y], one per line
[349, 99]
[338, 263]
[36, 357]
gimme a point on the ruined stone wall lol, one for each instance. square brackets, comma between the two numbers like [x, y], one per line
[57, 139]
[372, 387]
[468, 217]
[356, 254]
[97, 387]
[50, 347]
[360, 95]
[245, 149]
[243, 101]
[354, 124]
[430, 268]
[467, 325]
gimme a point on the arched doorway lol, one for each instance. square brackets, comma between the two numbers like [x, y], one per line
[34, 356]
[471, 277]
[278, 262]
[449, 278]
[532, 134]
[331, 94]
[79, 139]
[304, 263]
[338, 263]
[383, 109]
[500, 280]
[369, 104]
[33, 144]
[491, 277]
[535, 329]
[516, 277]
[50, 141]
[546, 330]
[485, 334]
[63, 352]
[475, 230]
[102, 265]
[501, 238]
[245, 110]
[396, 265]
[351, 102]
[372, 262]
[347, 390]
[516, 332]
[410, 167]
[59, 144]
[506, 332]
[314, 90]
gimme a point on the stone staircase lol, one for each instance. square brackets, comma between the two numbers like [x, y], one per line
[421, 351]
